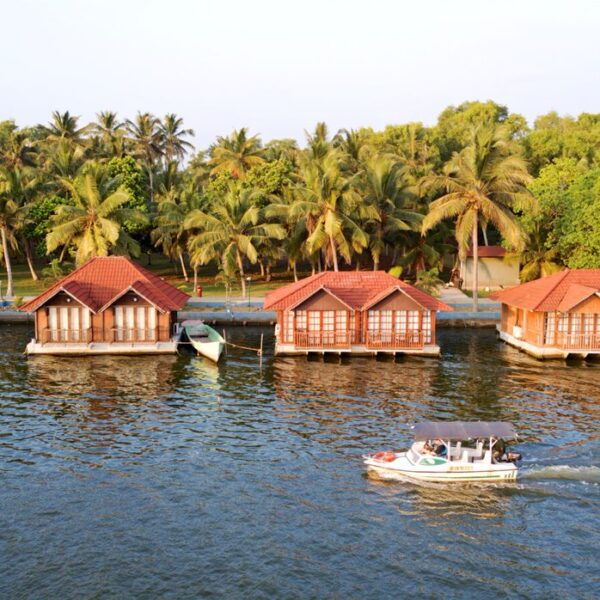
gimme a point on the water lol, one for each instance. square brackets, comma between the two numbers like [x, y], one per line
[168, 477]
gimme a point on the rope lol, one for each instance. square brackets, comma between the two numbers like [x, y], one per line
[257, 350]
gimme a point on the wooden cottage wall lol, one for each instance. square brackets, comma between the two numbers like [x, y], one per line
[533, 327]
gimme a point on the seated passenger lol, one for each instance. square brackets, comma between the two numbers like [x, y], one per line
[428, 448]
[499, 450]
[439, 448]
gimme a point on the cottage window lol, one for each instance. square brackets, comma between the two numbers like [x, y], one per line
[341, 317]
[301, 320]
[68, 323]
[135, 323]
[288, 333]
[550, 330]
[427, 327]
[314, 320]
[400, 321]
[373, 320]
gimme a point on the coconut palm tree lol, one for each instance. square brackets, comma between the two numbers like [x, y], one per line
[173, 134]
[93, 224]
[148, 143]
[169, 233]
[64, 126]
[487, 180]
[384, 186]
[18, 187]
[236, 154]
[538, 259]
[332, 207]
[19, 151]
[230, 232]
[111, 132]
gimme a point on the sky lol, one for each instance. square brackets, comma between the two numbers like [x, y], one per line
[279, 67]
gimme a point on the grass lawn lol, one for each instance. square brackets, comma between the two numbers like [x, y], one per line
[480, 293]
[25, 286]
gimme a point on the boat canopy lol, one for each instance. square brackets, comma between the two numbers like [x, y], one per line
[463, 430]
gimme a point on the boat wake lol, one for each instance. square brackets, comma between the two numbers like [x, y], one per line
[589, 474]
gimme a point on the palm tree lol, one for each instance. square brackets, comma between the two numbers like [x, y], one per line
[318, 144]
[64, 126]
[236, 154]
[148, 142]
[538, 259]
[486, 181]
[173, 133]
[110, 131]
[332, 207]
[19, 151]
[385, 188]
[230, 232]
[20, 185]
[169, 233]
[94, 223]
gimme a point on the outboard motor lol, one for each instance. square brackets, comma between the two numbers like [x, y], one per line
[513, 457]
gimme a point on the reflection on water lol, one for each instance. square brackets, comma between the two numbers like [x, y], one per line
[173, 477]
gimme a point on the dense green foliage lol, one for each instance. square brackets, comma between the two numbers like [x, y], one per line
[409, 196]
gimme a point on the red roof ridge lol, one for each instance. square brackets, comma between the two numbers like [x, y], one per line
[306, 281]
[99, 284]
[558, 281]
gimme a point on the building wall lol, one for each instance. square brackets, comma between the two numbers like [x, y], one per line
[494, 273]
[591, 305]
[397, 301]
[322, 300]
[103, 323]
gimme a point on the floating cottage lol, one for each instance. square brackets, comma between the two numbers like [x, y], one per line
[553, 317]
[356, 312]
[110, 305]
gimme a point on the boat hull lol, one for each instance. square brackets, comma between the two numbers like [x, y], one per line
[204, 339]
[402, 467]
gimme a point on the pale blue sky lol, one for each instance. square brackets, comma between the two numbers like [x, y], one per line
[279, 67]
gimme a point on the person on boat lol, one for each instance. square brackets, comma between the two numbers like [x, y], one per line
[499, 449]
[439, 448]
[428, 448]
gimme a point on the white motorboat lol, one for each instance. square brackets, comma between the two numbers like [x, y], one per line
[452, 451]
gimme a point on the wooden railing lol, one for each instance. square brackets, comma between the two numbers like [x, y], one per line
[342, 339]
[577, 341]
[384, 339]
[322, 339]
[97, 334]
[139, 334]
[66, 336]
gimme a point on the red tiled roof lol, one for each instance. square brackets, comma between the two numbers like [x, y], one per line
[488, 252]
[357, 289]
[554, 292]
[103, 279]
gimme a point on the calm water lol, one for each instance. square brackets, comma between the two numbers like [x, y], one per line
[169, 477]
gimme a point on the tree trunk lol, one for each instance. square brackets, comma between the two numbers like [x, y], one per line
[268, 269]
[9, 277]
[376, 263]
[240, 264]
[151, 181]
[296, 273]
[485, 239]
[333, 253]
[475, 265]
[62, 254]
[262, 268]
[195, 267]
[27, 246]
[182, 261]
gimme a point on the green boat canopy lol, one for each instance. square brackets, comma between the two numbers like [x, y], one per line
[463, 430]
